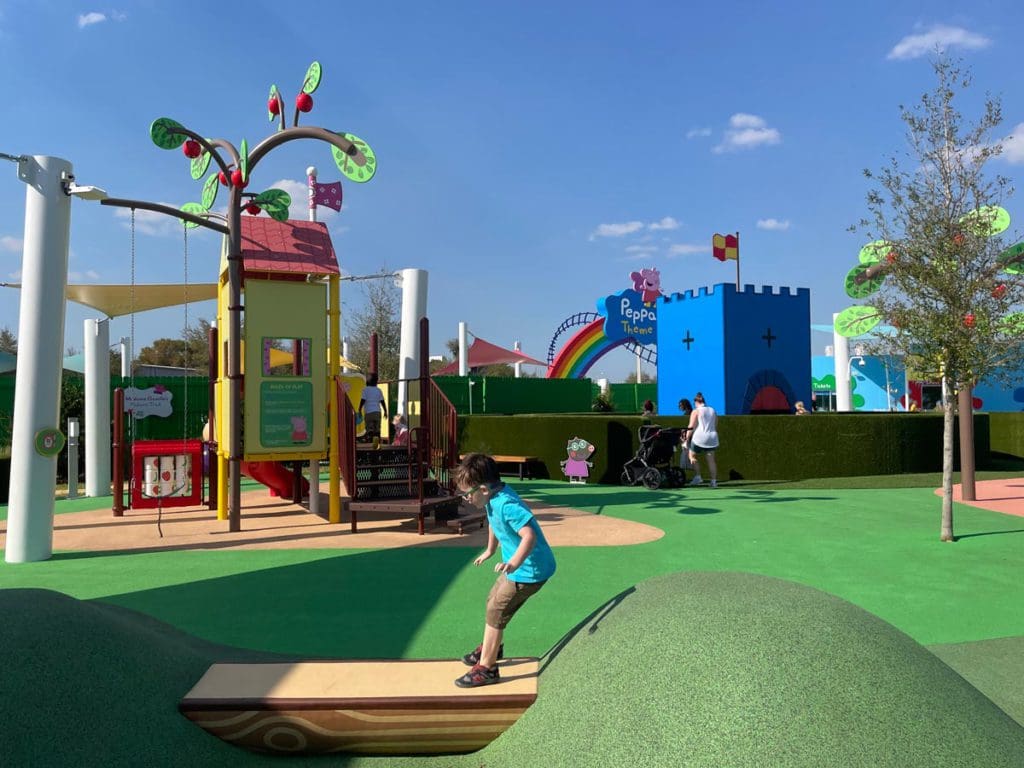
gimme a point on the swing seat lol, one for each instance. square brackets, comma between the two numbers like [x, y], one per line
[167, 473]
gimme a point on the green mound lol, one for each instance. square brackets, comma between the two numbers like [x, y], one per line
[90, 684]
[715, 669]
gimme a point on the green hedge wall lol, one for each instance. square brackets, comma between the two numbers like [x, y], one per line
[753, 447]
[1006, 434]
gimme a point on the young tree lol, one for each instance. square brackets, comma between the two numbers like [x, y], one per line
[381, 314]
[936, 269]
[8, 341]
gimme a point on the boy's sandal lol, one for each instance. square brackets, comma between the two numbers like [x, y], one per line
[478, 676]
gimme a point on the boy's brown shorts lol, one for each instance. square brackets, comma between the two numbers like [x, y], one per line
[506, 598]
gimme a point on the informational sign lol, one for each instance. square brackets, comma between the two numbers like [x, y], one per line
[49, 442]
[154, 401]
[286, 413]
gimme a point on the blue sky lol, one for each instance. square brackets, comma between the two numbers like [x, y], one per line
[531, 154]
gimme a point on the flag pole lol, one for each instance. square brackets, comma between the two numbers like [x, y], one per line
[738, 261]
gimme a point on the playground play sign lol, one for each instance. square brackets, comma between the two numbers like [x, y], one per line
[154, 401]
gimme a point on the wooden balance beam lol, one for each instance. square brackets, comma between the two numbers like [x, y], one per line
[358, 707]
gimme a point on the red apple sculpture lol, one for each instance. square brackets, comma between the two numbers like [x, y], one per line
[969, 320]
[890, 257]
[273, 106]
[238, 180]
[223, 178]
[303, 102]
[192, 148]
[999, 291]
[253, 209]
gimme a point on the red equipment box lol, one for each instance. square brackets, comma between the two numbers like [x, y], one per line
[167, 473]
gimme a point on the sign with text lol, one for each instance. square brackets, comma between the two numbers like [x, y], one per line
[154, 401]
[286, 413]
[628, 316]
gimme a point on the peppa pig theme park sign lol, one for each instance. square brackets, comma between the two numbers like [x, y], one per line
[632, 314]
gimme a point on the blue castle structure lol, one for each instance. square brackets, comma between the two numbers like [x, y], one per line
[748, 351]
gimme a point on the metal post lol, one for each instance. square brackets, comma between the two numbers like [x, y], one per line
[841, 358]
[41, 335]
[117, 448]
[463, 362]
[97, 407]
[72, 458]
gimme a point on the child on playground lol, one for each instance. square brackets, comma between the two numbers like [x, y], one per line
[400, 433]
[527, 561]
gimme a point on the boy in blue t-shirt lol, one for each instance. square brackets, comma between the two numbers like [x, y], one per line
[527, 561]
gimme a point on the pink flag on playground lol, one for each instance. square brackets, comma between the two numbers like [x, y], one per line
[328, 195]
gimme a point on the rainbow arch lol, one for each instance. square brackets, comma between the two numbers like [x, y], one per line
[582, 351]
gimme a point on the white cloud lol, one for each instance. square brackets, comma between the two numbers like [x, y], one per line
[746, 132]
[152, 223]
[299, 192]
[666, 223]
[938, 37]
[16, 275]
[617, 230]
[773, 224]
[88, 19]
[698, 133]
[12, 244]
[89, 275]
[1013, 146]
[685, 249]
[642, 249]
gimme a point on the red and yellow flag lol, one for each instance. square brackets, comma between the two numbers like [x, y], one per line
[725, 247]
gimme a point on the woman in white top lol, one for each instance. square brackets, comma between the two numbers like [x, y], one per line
[703, 439]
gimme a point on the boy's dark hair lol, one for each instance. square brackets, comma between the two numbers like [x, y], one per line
[476, 469]
[371, 380]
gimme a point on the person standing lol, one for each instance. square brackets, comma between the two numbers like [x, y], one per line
[372, 405]
[685, 409]
[703, 437]
[801, 410]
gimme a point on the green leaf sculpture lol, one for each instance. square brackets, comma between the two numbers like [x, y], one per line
[200, 164]
[865, 288]
[874, 252]
[986, 221]
[275, 202]
[1013, 324]
[856, 321]
[271, 97]
[348, 167]
[210, 188]
[1012, 252]
[167, 133]
[196, 209]
[312, 81]
[243, 160]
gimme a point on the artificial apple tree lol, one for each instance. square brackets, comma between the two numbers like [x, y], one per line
[233, 169]
[937, 270]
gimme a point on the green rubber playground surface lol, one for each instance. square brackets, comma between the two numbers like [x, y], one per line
[768, 580]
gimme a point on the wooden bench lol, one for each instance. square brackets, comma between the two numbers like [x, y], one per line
[522, 463]
[459, 524]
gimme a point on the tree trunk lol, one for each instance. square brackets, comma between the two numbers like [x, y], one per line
[947, 463]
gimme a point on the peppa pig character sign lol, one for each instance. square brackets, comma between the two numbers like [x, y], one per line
[647, 282]
[576, 467]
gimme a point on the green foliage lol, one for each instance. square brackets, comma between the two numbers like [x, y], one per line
[210, 189]
[863, 289]
[946, 290]
[602, 403]
[196, 209]
[348, 166]
[312, 80]
[243, 160]
[167, 133]
[858, 320]
[275, 202]
[8, 341]
[200, 164]
[190, 351]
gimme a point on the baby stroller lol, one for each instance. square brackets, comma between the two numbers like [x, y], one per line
[653, 464]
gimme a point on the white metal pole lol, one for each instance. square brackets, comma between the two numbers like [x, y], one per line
[344, 354]
[126, 355]
[463, 338]
[639, 373]
[72, 458]
[518, 366]
[97, 408]
[841, 357]
[311, 191]
[414, 307]
[44, 279]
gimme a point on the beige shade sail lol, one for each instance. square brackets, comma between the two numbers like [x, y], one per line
[118, 300]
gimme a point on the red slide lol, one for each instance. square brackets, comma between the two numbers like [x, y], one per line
[274, 475]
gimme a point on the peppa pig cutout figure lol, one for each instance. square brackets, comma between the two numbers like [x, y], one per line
[576, 467]
[299, 433]
[647, 282]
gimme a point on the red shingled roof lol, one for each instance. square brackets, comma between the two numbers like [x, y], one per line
[292, 246]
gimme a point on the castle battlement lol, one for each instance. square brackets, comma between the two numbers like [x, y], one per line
[729, 289]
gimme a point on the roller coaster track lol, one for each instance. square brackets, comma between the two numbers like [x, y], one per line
[648, 354]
